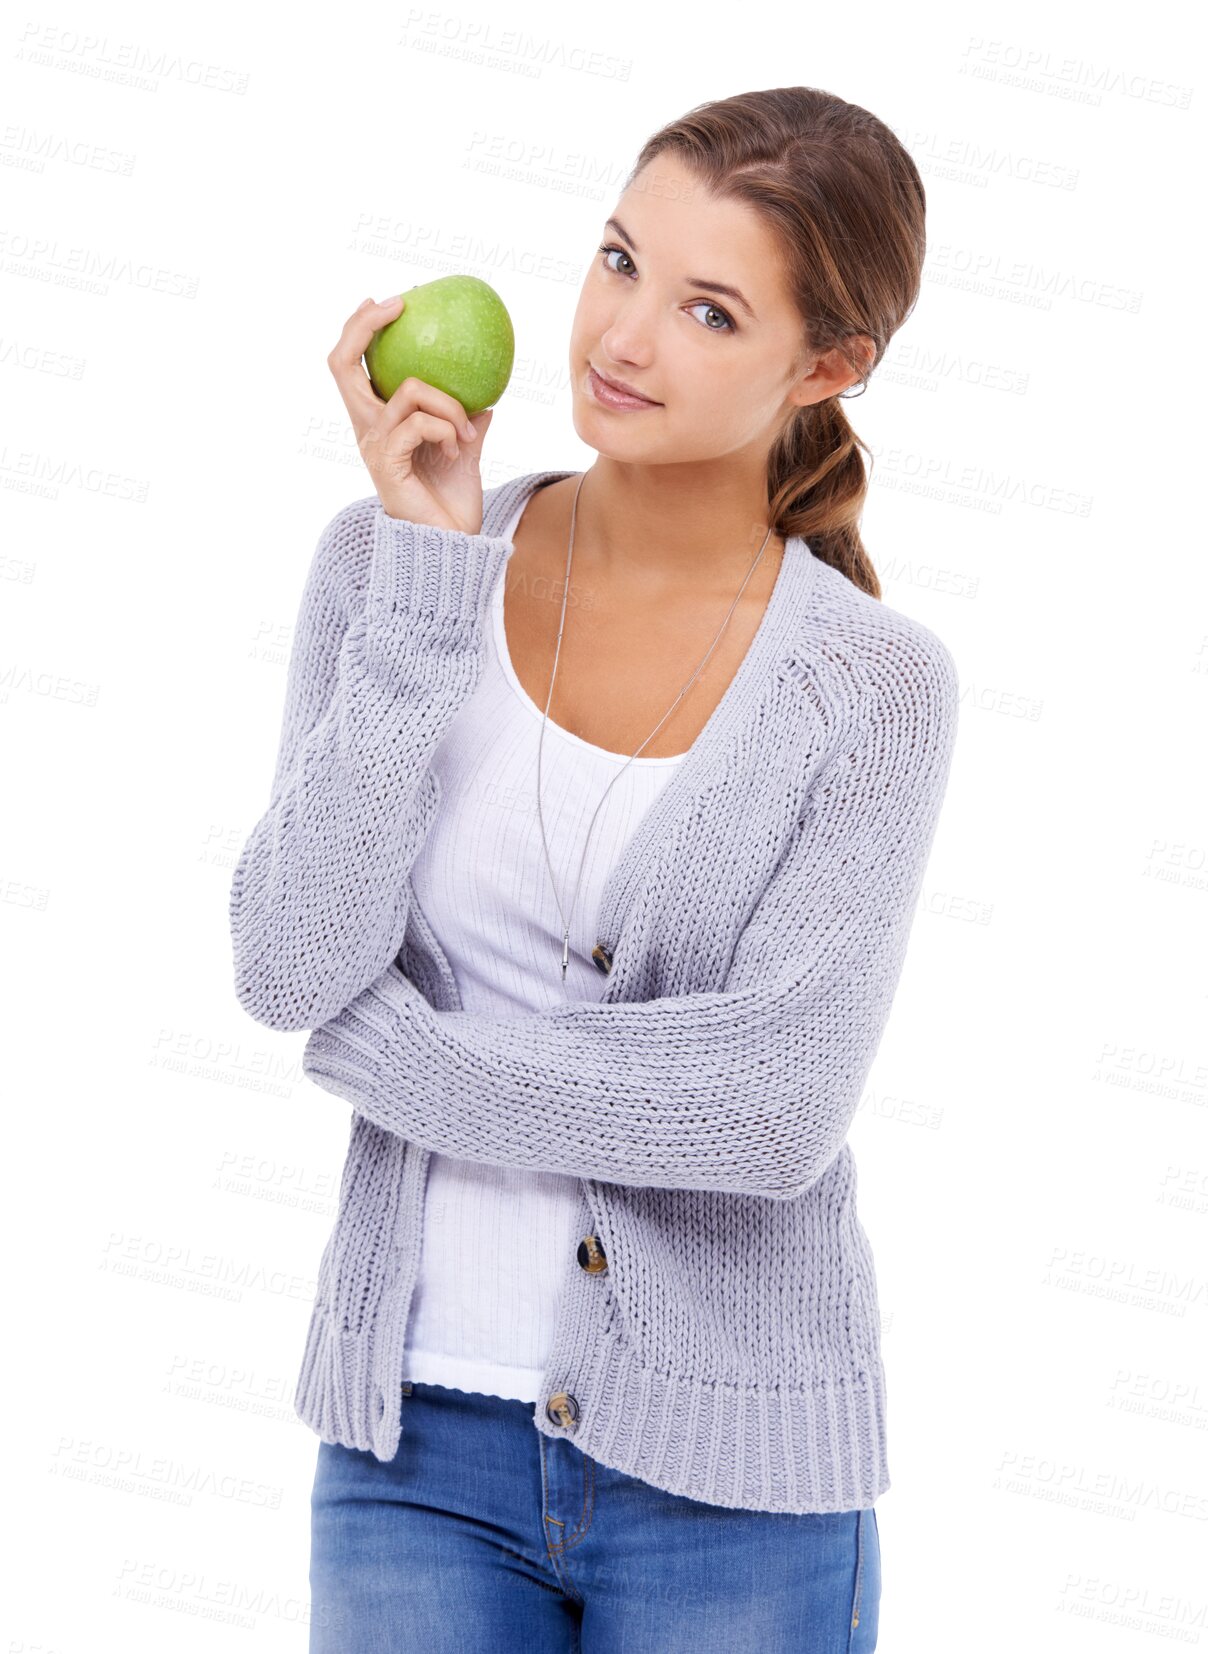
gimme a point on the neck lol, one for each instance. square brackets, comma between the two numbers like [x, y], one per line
[667, 525]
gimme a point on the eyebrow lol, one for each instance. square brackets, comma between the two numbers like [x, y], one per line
[692, 281]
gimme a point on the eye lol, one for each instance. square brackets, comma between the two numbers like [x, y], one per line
[704, 304]
[606, 249]
[701, 304]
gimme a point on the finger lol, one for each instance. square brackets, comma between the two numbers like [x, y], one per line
[417, 393]
[345, 357]
[419, 428]
[482, 424]
[366, 320]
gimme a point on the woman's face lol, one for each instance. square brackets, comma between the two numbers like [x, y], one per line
[726, 369]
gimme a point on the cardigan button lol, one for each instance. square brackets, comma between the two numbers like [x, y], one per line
[602, 958]
[562, 1408]
[591, 1255]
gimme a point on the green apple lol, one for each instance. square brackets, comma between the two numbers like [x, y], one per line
[454, 333]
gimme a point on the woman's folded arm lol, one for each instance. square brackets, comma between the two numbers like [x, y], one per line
[749, 1090]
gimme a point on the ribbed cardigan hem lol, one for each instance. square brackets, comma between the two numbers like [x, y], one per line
[813, 1448]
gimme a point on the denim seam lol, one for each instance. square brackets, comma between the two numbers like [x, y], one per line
[855, 1601]
[553, 1551]
[589, 1504]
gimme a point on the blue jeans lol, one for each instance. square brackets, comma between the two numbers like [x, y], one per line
[483, 1535]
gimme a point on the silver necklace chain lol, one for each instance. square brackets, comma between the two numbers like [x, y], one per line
[545, 717]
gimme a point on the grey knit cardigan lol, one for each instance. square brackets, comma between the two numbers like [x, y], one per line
[752, 935]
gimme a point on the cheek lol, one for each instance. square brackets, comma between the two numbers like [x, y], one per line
[757, 394]
[727, 391]
[593, 315]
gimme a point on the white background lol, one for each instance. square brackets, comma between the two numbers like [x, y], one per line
[193, 203]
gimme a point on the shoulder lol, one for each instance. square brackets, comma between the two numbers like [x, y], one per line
[885, 666]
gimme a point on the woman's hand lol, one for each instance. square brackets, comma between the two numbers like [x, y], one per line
[417, 446]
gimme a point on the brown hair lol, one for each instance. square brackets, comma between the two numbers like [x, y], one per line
[846, 204]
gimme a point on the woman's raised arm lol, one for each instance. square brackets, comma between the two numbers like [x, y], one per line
[386, 648]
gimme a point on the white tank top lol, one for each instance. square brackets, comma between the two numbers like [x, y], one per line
[496, 1239]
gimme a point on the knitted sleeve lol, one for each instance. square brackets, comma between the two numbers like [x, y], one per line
[750, 1090]
[388, 643]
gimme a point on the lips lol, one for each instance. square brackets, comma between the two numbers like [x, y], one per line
[623, 388]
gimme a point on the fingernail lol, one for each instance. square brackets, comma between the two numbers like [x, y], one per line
[386, 303]
[470, 431]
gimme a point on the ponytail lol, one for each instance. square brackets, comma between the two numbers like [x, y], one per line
[817, 485]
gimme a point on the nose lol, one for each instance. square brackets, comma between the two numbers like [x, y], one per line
[629, 337]
[626, 344]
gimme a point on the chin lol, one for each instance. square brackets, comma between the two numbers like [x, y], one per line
[606, 440]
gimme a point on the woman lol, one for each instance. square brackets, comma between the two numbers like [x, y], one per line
[594, 1356]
